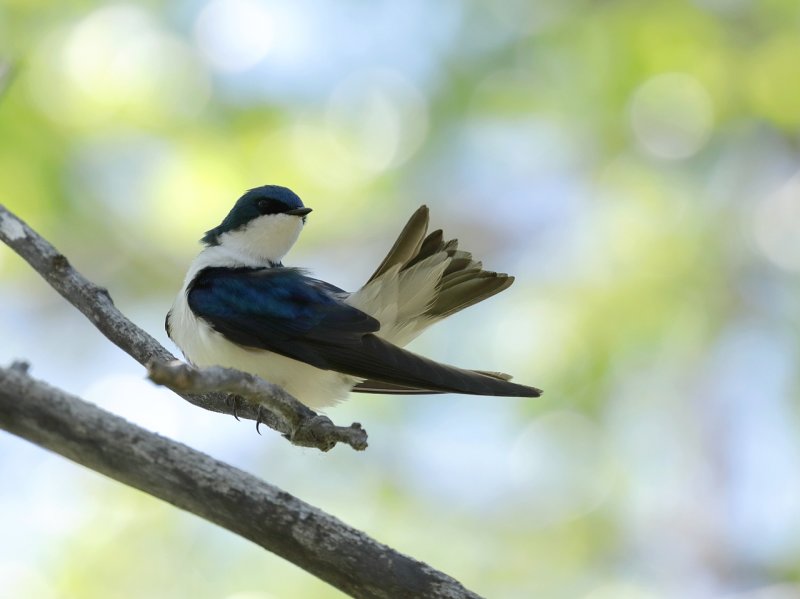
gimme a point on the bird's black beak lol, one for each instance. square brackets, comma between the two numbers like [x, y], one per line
[298, 211]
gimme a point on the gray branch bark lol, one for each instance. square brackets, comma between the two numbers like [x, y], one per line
[306, 428]
[271, 405]
[317, 542]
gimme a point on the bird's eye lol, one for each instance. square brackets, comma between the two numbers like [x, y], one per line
[271, 206]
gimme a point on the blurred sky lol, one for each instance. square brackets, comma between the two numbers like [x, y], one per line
[634, 165]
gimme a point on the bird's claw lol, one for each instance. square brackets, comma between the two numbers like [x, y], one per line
[233, 401]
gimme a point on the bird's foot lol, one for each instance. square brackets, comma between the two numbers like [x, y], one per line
[233, 402]
[259, 418]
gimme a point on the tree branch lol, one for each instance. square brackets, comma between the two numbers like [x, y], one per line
[306, 427]
[317, 542]
[265, 402]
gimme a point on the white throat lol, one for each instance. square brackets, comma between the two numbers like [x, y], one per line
[264, 240]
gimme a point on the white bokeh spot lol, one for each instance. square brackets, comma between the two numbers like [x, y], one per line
[377, 119]
[671, 115]
[776, 225]
[234, 35]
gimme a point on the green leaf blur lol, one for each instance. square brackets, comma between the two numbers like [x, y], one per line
[633, 164]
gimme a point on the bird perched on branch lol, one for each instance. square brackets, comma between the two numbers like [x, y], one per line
[239, 307]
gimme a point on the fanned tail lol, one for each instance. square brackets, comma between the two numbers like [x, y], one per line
[423, 279]
[463, 282]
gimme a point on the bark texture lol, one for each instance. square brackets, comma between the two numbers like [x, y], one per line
[277, 521]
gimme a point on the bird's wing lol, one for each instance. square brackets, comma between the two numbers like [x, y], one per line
[284, 311]
[373, 386]
[277, 309]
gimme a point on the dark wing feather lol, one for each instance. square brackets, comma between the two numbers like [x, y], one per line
[277, 309]
[373, 386]
[286, 312]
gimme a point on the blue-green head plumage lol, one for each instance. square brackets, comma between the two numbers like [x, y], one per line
[259, 201]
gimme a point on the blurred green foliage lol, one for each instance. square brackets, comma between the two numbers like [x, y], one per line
[634, 164]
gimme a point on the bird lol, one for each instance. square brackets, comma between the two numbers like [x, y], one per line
[240, 307]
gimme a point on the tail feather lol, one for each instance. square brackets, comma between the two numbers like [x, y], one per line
[467, 290]
[461, 284]
[423, 279]
[433, 244]
[460, 261]
[408, 243]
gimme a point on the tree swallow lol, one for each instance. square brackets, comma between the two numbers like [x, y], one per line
[240, 307]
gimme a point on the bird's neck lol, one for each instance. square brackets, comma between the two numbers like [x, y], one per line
[226, 255]
[223, 256]
[265, 240]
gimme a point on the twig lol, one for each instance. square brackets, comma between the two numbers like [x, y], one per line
[317, 542]
[298, 423]
[305, 426]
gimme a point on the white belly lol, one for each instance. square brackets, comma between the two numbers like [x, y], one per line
[204, 347]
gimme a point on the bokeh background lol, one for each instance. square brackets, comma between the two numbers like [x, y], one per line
[634, 164]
